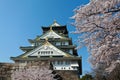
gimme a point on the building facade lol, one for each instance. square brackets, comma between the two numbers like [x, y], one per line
[55, 46]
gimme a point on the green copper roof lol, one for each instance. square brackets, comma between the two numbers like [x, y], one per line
[47, 58]
[46, 43]
[51, 34]
[37, 39]
[59, 34]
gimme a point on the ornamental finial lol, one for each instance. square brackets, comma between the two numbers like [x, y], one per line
[55, 21]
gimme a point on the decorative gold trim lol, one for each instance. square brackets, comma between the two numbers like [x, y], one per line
[37, 39]
[46, 39]
[51, 28]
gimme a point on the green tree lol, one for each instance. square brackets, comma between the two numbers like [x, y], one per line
[86, 77]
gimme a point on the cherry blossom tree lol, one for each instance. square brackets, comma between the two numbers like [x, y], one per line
[115, 74]
[98, 24]
[33, 71]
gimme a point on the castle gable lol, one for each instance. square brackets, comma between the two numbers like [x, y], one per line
[47, 50]
[50, 34]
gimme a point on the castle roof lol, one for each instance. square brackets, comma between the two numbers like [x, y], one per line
[55, 24]
[47, 48]
[51, 34]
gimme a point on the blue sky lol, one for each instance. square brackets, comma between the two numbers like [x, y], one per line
[21, 20]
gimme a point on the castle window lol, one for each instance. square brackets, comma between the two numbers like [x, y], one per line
[58, 62]
[58, 43]
[61, 62]
[51, 52]
[64, 43]
[53, 62]
[67, 62]
[73, 62]
[74, 68]
[48, 52]
[38, 52]
[69, 67]
[66, 50]
[71, 51]
[45, 52]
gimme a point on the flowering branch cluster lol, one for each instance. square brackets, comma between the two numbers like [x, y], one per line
[33, 71]
[98, 22]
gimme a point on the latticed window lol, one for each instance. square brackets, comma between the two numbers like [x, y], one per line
[45, 52]
[59, 62]
[51, 52]
[67, 62]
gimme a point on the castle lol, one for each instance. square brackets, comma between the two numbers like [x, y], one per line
[55, 47]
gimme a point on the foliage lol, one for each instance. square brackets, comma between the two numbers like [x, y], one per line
[86, 77]
[98, 22]
[115, 74]
[5, 70]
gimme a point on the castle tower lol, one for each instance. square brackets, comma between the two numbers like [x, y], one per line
[55, 46]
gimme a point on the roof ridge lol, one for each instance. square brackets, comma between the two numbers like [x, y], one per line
[55, 24]
[51, 30]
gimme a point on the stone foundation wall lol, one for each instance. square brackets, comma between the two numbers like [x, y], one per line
[6, 70]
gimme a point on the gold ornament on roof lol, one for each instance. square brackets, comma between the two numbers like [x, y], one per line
[46, 39]
[51, 28]
[37, 39]
[55, 21]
